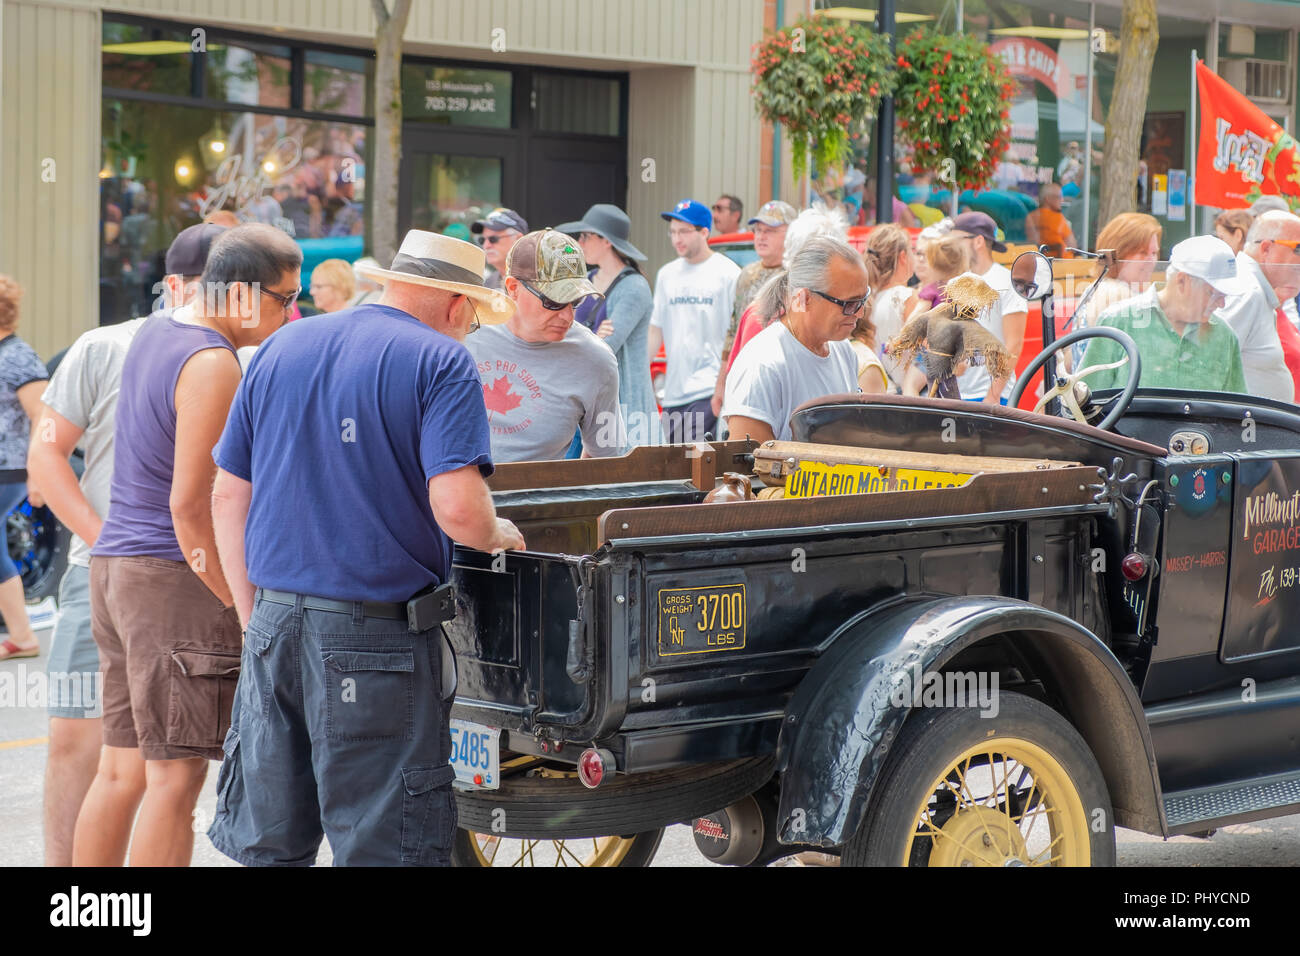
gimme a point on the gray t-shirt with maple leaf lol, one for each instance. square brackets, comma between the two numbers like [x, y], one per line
[538, 394]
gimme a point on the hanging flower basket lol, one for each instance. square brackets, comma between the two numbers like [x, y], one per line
[953, 102]
[823, 82]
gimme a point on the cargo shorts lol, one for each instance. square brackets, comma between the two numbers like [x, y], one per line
[170, 654]
[340, 730]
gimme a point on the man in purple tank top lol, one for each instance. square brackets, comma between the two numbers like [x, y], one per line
[162, 614]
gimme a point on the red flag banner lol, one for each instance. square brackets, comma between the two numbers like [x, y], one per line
[1243, 155]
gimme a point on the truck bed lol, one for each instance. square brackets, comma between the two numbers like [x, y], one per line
[638, 609]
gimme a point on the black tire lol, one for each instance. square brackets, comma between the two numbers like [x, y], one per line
[556, 807]
[931, 739]
[38, 543]
[640, 853]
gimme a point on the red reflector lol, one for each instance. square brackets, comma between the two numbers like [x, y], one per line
[591, 769]
[1134, 566]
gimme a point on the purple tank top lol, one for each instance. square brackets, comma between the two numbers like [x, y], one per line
[139, 518]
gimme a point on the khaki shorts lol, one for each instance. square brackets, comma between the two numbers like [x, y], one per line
[170, 655]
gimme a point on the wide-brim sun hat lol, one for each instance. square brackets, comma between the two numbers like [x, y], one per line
[441, 262]
[609, 222]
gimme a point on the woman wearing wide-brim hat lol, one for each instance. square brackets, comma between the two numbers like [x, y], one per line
[622, 318]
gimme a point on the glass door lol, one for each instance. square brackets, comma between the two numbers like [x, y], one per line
[449, 180]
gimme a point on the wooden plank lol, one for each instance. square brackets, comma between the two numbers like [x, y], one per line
[773, 453]
[646, 463]
[985, 493]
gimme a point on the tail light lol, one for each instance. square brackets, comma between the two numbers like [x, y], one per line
[1134, 566]
[593, 766]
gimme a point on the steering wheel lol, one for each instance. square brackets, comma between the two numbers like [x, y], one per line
[1064, 387]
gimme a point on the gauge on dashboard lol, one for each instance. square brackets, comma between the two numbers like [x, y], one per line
[1189, 443]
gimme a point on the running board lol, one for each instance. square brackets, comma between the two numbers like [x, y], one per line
[1263, 797]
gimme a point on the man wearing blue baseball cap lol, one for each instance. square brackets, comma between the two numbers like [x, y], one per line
[693, 298]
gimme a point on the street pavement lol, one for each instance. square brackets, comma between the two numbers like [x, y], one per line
[22, 765]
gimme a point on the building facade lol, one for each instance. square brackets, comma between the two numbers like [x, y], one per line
[123, 122]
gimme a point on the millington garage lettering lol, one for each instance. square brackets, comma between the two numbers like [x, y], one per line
[1271, 508]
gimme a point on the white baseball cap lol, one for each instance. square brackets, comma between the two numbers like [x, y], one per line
[1211, 259]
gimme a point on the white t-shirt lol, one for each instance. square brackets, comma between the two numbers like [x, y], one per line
[775, 373]
[974, 382]
[693, 309]
[1253, 317]
[84, 390]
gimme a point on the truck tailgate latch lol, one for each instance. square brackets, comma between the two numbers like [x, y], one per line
[576, 663]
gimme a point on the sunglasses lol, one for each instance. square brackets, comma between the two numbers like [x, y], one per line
[720, 208]
[550, 305]
[493, 240]
[848, 306]
[286, 301]
[1292, 244]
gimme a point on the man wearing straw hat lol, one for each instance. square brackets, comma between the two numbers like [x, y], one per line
[353, 457]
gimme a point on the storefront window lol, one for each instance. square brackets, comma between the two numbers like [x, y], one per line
[145, 59]
[253, 74]
[456, 96]
[335, 83]
[449, 192]
[167, 167]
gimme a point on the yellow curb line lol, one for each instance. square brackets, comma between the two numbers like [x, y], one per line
[29, 742]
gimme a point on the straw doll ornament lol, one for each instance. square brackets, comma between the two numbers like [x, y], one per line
[949, 336]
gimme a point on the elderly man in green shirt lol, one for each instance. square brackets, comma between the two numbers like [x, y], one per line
[1182, 343]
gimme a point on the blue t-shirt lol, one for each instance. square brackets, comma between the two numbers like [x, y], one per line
[339, 423]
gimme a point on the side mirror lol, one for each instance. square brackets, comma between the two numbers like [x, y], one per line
[1031, 276]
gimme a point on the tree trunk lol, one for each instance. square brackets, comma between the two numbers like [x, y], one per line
[381, 179]
[1139, 35]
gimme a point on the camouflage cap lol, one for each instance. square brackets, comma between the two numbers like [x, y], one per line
[552, 262]
[774, 213]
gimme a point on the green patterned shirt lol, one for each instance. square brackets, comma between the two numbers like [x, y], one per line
[1205, 357]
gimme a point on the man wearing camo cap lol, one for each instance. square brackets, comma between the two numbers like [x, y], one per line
[545, 376]
[769, 225]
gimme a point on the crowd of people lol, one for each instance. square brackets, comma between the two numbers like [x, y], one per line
[264, 523]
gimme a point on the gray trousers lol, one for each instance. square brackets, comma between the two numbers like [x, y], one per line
[339, 730]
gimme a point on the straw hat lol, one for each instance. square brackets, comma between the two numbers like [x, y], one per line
[442, 262]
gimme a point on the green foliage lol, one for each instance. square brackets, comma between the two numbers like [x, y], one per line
[953, 102]
[821, 81]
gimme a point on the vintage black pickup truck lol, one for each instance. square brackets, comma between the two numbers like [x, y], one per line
[942, 634]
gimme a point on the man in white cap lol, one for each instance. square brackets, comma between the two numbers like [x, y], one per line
[1270, 264]
[1182, 343]
[353, 457]
[545, 376]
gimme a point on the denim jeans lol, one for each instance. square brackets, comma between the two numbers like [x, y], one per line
[340, 729]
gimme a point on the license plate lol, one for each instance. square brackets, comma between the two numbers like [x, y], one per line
[813, 479]
[701, 620]
[476, 754]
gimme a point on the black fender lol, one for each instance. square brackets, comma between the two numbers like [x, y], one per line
[840, 722]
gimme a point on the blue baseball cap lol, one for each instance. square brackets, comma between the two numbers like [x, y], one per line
[688, 210]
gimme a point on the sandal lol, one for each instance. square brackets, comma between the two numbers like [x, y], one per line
[9, 651]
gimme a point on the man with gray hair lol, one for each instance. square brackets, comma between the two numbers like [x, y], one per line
[1271, 264]
[805, 354]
